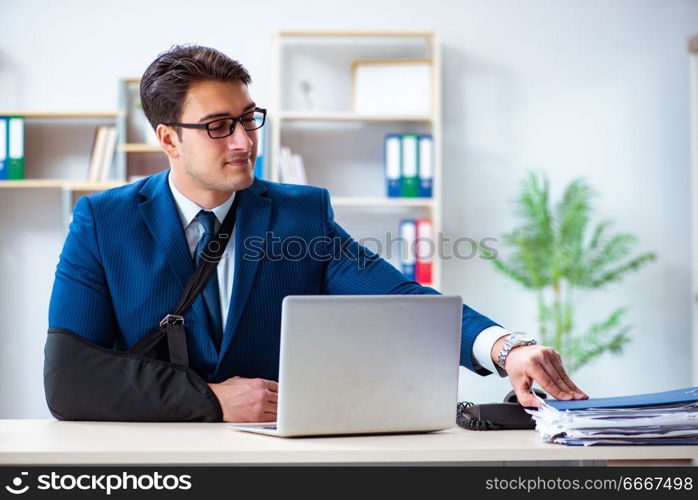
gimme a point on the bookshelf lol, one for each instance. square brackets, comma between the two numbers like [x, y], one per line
[137, 151]
[693, 56]
[57, 147]
[351, 164]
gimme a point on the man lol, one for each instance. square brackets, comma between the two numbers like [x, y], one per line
[131, 250]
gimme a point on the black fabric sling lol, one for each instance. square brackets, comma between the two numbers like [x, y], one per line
[151, 381]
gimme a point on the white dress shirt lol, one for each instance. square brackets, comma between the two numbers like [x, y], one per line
[194, 230]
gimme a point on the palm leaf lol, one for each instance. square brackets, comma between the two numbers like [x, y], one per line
[609, 335]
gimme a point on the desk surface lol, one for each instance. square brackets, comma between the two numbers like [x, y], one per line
[53, 442]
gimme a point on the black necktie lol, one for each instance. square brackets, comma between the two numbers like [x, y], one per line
[210, 293]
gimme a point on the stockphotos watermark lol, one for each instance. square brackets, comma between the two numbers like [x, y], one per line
[104, 483]
[274, 248]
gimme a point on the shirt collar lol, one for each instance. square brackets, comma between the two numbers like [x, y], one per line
[188, 210]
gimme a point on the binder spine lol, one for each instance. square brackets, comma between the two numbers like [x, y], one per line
[3, 148]
[425, 249]
[426, 171]
[408, 236]
[410, 166]
[15, 148]
[392, 159]
[261, 153]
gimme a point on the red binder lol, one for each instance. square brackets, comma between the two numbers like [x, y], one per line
[426, 249]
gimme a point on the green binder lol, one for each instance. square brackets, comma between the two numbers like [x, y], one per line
[409, 180]
[15, 148]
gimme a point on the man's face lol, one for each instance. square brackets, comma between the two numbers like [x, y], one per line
[225, 164]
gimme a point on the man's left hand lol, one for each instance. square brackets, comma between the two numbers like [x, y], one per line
[540, 364]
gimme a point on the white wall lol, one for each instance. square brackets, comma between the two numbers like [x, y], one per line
[596, 88]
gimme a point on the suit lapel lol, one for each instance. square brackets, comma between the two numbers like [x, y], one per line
[160, 215]
[254, 213]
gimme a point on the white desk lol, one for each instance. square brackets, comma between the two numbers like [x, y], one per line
[34, 442]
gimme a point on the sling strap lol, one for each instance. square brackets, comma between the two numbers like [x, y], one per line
[172, 325]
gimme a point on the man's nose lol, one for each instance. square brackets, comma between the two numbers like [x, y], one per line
[239, 139]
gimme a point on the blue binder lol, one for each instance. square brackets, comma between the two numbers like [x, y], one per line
[426, 165]
[685, 395]
[259, 167]
[408, 237]
[690, 441]
[392, 158]
[4, 148]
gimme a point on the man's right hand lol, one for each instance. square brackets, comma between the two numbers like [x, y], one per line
[247, 399]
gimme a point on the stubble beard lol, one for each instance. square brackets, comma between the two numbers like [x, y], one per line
[217, 180]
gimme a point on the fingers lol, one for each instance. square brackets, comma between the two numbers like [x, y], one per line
[557, 380]
[260, 383]
[270, 409]
[265, 384]
[557, 365]
[248, 399]
[271, 385]
[528, 400]
[267, 405]
[539, 373]
[545, 367]
[254, 382]
[272, 397]
[261, 407]
[524, 396]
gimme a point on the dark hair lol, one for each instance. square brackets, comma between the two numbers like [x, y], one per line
[165, 82]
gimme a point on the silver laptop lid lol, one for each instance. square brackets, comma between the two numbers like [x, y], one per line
[367, 363]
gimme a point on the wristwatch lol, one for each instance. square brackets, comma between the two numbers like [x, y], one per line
[515, 340]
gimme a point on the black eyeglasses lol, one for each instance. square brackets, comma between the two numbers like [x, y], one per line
[223, 127]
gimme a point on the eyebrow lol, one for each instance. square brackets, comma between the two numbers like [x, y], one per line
[249, 107]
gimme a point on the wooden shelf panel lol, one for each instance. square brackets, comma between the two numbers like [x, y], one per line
[93, 186]
[71, 185]
[139, 148]
[63, 114]
[348, 116]
[310, 33]
[359, 201]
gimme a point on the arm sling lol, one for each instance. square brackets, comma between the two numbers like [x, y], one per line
[149, 382]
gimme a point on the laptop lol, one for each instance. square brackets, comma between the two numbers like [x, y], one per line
[363, 364]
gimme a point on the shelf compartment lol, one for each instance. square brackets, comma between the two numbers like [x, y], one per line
[348, 116]
[373, 202]
[64, 114]
[70, 185]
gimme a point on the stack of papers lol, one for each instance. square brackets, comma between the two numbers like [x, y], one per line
[660, 418]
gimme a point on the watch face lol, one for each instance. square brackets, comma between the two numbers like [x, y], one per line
[523, 337]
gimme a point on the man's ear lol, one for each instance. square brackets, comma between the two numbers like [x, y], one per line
[169, 142]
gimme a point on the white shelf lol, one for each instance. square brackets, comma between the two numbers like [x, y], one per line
[70, 185]
[63, 114]
[302, 130]
[347, 201]
[348, 116]
[315, 33]
[139, 148]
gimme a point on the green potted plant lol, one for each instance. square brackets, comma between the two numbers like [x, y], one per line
[556, 252]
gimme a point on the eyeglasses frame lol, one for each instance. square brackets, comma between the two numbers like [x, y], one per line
[205, 126]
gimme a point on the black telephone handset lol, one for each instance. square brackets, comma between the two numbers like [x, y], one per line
[495, 416]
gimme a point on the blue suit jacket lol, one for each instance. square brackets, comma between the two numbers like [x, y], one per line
[126, 262]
